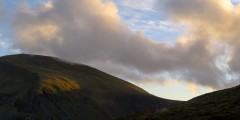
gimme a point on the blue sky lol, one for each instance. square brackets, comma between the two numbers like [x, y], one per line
[143, 17]
[235, 2]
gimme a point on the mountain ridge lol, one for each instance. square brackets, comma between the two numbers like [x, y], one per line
[43, 87]
[218, 105]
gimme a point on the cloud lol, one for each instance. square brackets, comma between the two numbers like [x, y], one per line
[6, 47]
[92, 32]
[143, 17]
[146, 5]
[193, 88]
[212, 21]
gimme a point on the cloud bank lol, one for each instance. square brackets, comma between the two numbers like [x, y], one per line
[92, 32]
[217, 23]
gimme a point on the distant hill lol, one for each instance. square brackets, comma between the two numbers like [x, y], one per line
[220, 105]
[36, 87]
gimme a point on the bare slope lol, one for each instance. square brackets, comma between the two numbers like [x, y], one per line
[45, 88]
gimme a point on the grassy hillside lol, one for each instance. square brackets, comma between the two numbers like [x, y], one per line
[220, 105]
[45, 88]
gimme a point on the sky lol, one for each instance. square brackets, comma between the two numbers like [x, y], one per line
[175, 49]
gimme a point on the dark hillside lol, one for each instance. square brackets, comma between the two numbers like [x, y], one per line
[220, 105]
[45, 88]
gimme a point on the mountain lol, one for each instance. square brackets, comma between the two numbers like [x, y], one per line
[220, 105]
[36, 87]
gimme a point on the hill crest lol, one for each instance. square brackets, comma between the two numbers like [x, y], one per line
[42, 87]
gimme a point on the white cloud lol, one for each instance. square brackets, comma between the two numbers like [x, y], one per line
[6, 47]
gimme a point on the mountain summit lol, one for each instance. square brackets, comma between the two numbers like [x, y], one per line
[34, 87]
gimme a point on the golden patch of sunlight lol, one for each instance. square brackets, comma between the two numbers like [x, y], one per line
[185, 40]
[55, 83]
[226, 4]
[107, 8]
[193, 88]
[49, 4]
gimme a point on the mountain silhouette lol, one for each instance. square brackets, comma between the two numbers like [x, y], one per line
[34, 87]
[219, 105]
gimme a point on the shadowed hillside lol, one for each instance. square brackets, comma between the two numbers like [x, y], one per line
[220, 105]
[45, 88]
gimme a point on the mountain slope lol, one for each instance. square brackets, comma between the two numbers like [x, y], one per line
[219, 105]
[44, 88]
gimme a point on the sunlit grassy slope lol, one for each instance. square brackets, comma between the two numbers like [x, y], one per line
[45, 88]
[220, 105]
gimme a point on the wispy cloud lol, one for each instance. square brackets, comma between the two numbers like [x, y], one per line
[6, 47]
[146, 5]
[144, 17]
